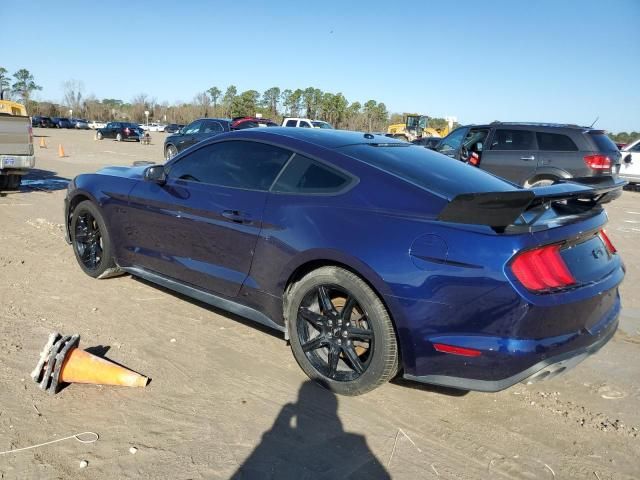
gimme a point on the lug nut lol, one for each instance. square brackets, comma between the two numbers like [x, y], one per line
[344, 333]
[339, 342]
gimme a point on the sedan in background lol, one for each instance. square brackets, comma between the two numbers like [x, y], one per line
[193, 133]
[42, 121]
[80, 123]
[120, 131]
[372, 256]
[61, 122]
[96, 124]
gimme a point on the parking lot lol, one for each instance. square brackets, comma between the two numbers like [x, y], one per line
[227, 396]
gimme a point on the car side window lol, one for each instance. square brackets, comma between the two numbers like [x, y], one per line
[193, 127]
[305, 125]
[555, 142]
[211, 127]
[237, 164]
[512, 140]
[452, 142]
[636, 148]
[290, 123]
[304, 175]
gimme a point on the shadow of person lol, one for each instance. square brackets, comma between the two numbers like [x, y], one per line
[307, 441]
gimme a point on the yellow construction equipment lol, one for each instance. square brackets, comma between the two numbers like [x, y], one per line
[12, 108]
[415, 126]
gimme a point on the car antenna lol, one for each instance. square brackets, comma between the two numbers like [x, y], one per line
[594, 122]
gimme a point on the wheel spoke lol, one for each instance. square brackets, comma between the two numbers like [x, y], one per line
[313, 318]
[361, 334]
[314, 343]
[354, 360]
[332, 360]
[347, 310]
[325, 302]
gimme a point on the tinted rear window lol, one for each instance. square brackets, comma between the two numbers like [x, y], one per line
[428, 169]
[603, 142]
[555, 142]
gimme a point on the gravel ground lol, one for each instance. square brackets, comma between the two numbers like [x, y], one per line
[227, 398]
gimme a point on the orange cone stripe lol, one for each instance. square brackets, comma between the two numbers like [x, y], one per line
[83, 367]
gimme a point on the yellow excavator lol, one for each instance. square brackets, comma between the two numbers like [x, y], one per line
[415, 126]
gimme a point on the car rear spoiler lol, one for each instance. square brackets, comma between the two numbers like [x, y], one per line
[500, 210]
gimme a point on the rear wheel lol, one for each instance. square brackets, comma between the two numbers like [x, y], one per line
[14, 181]
[540, 182]
[341, 333]
[90, 239]
[99, 135]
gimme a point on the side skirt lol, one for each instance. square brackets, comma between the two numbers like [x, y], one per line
[206, 297]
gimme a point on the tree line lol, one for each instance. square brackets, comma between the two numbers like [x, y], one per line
[273, 103]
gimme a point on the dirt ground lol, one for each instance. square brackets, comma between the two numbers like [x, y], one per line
[227, 399]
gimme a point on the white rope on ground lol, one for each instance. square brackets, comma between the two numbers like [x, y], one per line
[76, 436]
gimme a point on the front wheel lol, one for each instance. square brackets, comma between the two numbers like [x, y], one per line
[119, 137]
[341, 333]
[90, 239]
[170, 152]
[99, 135]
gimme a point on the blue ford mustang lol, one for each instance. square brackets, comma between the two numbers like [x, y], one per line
[373, 256]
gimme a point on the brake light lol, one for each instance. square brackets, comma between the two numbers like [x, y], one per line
[607, 242]
[542, 269]
[126, 130]
[465, 352]
[598, 162]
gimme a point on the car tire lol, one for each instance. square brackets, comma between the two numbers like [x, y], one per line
[98, 135]
[348, 352]
[90, 240]
[540, 182]
[170, 152]
[13, 182]
[119, 137]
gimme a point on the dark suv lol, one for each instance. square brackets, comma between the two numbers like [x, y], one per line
[533, 154]
[193, 133]
[120, 131]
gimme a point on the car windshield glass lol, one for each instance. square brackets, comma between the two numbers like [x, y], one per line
[427, 169]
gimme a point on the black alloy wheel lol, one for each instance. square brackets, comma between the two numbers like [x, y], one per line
[90, 240]
[334, 333]
[341, 333]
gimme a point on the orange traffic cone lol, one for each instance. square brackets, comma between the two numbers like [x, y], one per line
[61, 361]
[42, 143]
[61, 151]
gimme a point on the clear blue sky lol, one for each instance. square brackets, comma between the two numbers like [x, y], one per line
[550, 60]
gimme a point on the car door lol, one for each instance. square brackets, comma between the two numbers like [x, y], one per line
[559, 153]
[202, 225]
[112, 129]
[189, 135]
[511, 154]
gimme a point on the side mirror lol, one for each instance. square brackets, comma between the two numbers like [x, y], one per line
[156, 174]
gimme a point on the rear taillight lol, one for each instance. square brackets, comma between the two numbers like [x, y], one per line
[607, 242]
[542, 269]
[598, 162]
[126, 130]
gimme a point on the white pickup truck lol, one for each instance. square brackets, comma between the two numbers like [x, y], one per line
[16, 150]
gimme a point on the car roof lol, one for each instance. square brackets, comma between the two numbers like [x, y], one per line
[531, 124]
[317, 136]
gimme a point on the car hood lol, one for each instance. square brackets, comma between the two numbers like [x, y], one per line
[135, 172]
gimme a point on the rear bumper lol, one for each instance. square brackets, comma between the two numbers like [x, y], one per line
[17, 163]
[533, 360]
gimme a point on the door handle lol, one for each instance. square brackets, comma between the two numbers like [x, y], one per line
[236, 216]
[528, 159]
